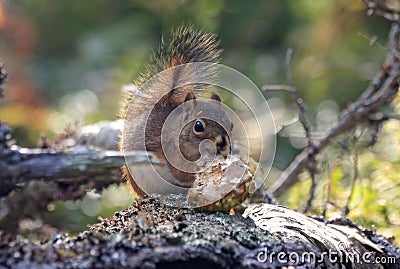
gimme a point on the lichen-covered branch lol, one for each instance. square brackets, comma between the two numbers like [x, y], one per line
[80, 162]
[75, 159]
[69, 167]
[153, 235]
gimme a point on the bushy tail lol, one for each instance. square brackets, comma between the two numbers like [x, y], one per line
[186, 45]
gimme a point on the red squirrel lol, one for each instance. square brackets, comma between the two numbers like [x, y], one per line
[186, 46]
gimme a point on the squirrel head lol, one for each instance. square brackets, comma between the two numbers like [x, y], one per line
[207, 129]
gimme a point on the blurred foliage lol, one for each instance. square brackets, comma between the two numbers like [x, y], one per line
[376, 193]
[68, 60]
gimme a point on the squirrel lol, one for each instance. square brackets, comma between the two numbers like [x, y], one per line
[187, 45]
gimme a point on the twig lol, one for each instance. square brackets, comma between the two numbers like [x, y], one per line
[311, 194]
[311, 163]
[296, 98]
[298, 101]
[3, 78]
[286, 88]
[373, 40]
[328, 191]
[376, 7]
[287, 123]
[380, 117]
[346, 209]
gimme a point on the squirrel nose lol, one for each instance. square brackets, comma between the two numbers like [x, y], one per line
[222, 143]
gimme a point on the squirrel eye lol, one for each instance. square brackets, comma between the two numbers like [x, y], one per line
[198, 127]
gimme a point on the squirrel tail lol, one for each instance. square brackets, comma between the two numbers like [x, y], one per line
[186, 45]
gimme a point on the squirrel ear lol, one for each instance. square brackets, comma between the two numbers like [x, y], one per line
[190, 96]
[189, 108]
[216, 97]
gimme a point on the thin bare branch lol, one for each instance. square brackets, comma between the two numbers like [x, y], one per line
[380, 92]
[287, 123]
[346, 209]
[372, 40]
[328, 190]
[381, 9]
[311, 194]
[384, 117]
[286, 88]
[298, 101]
[296, 98]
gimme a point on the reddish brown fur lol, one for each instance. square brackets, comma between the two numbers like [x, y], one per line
[186, 46]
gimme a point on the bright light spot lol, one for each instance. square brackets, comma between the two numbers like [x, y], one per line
[91, 205]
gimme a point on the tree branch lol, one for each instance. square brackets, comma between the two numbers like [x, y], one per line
[150, 234]
[381, 91]
[76, 165]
